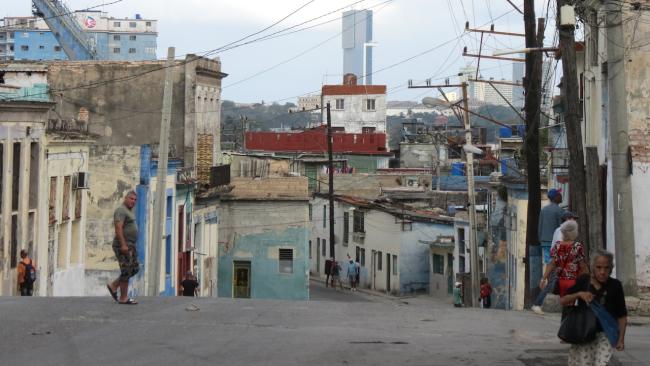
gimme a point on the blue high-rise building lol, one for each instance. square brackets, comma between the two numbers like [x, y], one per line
[127, 39]
[357, 45]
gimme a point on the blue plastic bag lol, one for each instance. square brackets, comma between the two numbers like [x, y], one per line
[607, 322]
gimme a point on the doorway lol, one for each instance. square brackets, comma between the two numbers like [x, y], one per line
[241, 279]
[318, 256]
[373, 269]
[450, 273]
[388, 271]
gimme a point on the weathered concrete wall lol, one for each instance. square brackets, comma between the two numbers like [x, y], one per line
[497, 255]
[206, 242]
[120, 114]
[354, 116]
[417, 155]
[255, 231]
[637, 72]
[66, 251]
[114, 170]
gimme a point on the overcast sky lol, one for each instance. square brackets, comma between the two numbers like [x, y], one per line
[282, 68]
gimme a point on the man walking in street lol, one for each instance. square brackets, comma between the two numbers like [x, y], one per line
[550, 218]
[26, 274]
[126, 235]
[189, 286]
[352, 275]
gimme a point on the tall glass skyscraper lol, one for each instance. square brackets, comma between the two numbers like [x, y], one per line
[357, 45]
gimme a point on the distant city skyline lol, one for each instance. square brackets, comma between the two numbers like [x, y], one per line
[418, 39]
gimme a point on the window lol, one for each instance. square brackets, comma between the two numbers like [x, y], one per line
[148, 24]
[367, 130]
[359, 224]
[346, 229]
[379, 261]
[370, 104]
[52, 200]
[395, 265]
[116, 50]
[286, 260]
[65, 211]
[310, 249]
[116, 37]
[25, 35]
[131, 50]
[362, 257]
[324, 215]
[132, 24]
[438, 264]
[357, 252]
[340, 104]
[132, 38]
[24, 48]
[324, 246]
[461, 264]
[57, 48]
[461, 241]
[117, 24]
[311, 209]
[41, 47]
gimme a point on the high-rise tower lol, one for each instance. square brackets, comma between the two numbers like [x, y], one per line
[357, 44]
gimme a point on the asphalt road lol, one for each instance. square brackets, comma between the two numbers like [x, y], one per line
[374, 330]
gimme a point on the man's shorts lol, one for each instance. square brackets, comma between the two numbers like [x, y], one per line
[546, 252]
[129, 265]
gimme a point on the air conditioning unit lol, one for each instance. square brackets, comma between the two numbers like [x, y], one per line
[81, 180]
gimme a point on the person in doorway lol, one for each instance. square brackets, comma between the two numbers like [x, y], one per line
[458, 297]
[352, 275]
[601, 288]
[126, 235]
[26, 274]
[548, 282]
[486, 293]
[190, 286]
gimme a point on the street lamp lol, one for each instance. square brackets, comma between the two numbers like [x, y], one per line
[470, 150]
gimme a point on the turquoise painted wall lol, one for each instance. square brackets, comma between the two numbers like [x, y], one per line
[261, 249]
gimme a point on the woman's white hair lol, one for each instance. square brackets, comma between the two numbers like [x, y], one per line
[597, 253]
[569, 230]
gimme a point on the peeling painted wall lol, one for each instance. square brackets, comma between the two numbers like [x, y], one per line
[414, 155]
[255, 231]
[114, 170]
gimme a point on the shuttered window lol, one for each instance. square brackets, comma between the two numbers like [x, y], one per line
[286, 260]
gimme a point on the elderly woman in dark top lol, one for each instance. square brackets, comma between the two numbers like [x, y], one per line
[598, 287]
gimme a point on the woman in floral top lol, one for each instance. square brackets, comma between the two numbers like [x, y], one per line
[568, 257]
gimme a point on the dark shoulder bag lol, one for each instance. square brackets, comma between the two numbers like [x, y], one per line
[579, 324]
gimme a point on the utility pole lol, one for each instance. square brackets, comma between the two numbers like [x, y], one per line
[330, 165]
[532, 108]
[471, 193]
[158, 222]
[620, 149]
[571, 102]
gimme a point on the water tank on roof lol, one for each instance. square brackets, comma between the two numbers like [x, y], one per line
[137, 16]
[505, 132]
[458, 169]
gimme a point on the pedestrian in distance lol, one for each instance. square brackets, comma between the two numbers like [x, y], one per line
[548, 282]
[550, 218]
[126, 235]
[328, 271]
[336, 274]
[26, 274]
[598, 287]
[458, 297]
[486, 293]
[190, 286]
[352, 275]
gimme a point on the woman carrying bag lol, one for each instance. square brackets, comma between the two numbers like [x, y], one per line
[599, 290]
[568, 259]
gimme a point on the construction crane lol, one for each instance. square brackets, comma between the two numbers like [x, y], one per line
[75, 42]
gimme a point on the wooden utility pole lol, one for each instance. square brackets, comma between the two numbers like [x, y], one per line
[160, 201]
[330, 165]
[571, 102]
[532, 106]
